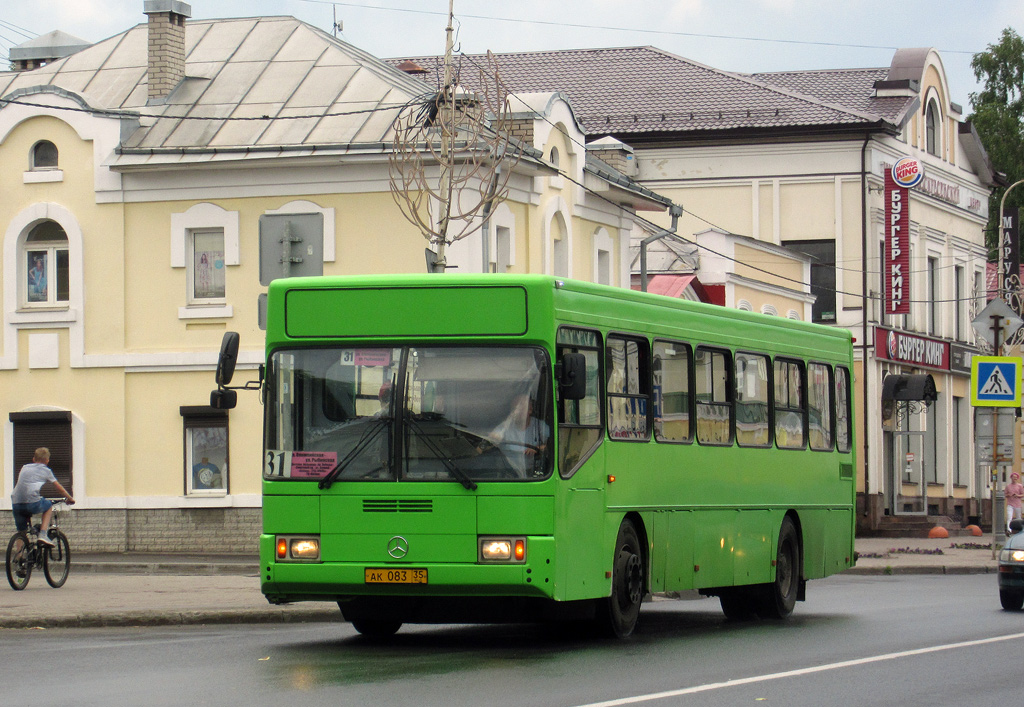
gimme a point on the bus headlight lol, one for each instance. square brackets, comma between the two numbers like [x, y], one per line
[304, 548]
[502, 549]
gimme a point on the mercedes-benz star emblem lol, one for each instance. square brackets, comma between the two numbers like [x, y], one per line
[398, 547]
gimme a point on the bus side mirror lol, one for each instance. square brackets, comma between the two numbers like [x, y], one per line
[223, 399]
[572, 376]
[227, 358]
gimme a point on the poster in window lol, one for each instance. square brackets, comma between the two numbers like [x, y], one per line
[208, 448]
[37, 276]
[208, 270]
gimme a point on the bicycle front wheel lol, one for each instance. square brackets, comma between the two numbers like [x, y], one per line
[19, 565]
[57, 560]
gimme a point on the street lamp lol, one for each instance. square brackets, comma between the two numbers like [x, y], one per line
[676, 211]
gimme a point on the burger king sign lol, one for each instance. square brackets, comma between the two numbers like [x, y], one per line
[908, 172]
[905, 174]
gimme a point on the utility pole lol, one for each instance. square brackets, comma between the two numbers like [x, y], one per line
[446, 117]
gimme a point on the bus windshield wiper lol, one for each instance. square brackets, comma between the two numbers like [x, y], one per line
[373, 430]
[449, 464]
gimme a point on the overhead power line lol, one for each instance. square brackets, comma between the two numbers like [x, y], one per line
[631, 30]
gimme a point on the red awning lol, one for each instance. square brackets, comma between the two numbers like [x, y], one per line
[669, 285]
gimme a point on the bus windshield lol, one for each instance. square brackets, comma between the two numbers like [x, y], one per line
[462, 414]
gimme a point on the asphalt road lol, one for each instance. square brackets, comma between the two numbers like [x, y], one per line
[858, 640]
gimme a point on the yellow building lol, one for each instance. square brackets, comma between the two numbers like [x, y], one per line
[139, 174]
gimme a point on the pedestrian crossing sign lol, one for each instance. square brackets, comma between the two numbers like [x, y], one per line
[995, 381]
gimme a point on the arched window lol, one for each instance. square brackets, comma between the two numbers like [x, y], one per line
[45, 261]
[554, 156]
[933, 138]
[43, 156]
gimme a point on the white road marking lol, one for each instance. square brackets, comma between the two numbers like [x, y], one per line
[802, 671]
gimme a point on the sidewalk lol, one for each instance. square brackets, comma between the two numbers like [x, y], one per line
[953, 555]
[136, 589]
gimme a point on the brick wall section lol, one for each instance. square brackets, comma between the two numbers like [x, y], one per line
[166, 53]
[222, 531]
[522, 130]
[615, 159]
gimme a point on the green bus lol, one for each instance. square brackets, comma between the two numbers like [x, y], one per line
[496, 448]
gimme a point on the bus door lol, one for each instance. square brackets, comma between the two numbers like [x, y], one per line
[581, 470]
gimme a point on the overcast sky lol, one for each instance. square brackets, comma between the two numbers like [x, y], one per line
[733, 35]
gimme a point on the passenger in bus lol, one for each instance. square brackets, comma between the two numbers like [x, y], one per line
[385, 397]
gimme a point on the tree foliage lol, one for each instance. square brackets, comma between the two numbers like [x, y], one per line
[999, 116]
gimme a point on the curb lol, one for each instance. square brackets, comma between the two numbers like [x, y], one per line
[173, 618]
[921, 569]
[187, 569]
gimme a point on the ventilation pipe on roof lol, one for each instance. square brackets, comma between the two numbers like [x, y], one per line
[166, 67]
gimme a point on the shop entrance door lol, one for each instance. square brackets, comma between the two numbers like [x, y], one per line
[909, 490]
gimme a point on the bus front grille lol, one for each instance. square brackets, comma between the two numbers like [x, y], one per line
[401, 505]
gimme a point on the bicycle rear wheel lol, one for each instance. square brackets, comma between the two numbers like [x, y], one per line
[19, 566]
[57, 560]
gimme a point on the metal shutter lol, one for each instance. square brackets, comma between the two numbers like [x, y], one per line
[44, 429]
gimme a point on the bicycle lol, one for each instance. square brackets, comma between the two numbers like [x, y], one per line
[25, 553]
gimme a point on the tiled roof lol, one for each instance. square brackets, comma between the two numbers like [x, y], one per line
[638, 90]
[304, 87]
[852, 88]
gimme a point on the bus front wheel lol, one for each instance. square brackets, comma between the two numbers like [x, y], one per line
[778, 598]
[623, 606]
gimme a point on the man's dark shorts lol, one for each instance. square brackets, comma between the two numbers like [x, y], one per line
[21, 509]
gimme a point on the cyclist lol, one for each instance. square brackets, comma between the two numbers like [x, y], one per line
[26, 499]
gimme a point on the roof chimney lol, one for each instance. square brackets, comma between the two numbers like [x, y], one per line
[42, 50]
[166, 45]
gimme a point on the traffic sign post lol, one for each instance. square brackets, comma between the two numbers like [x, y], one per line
[996, 383]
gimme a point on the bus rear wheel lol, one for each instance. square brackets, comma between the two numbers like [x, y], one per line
[777, 599]
[622, 608]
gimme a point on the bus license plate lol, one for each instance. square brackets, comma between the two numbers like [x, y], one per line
[396, 576]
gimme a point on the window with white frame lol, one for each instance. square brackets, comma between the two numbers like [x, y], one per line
[934, 305]
[603, 246]
[206, 271]
[959, 302]
[44, 266]
[43, 156]
[206, 451]
[503, 249]
[933, 126]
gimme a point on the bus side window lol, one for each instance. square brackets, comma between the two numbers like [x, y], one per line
[673, 392]
[790, 404]
[714, 396]
[628, 388]
[752, 396]
[819, 407]
[844, 437]
[579, 421]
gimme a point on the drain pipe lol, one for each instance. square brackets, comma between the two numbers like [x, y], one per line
[864, 309]
[676, 211]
